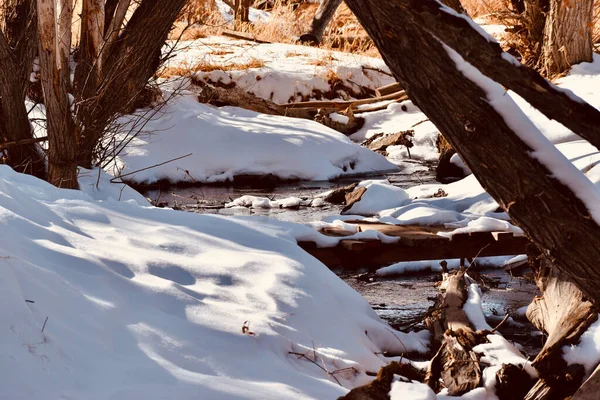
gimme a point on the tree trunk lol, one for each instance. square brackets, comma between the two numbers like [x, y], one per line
[54, 53]
[489, 58]
[564, 314]
[18, 47]
[567, 35]
[127, 64]
[549, 212]
[320, 21]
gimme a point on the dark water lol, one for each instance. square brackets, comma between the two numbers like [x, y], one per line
[210, 199]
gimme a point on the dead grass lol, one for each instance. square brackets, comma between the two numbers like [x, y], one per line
[201, 19]
[185, 69]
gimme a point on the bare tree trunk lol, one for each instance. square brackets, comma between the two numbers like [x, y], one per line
[55, 45]
[320, 21]
[18, 47]
[567, 35]
[128, 63]
[549, 212]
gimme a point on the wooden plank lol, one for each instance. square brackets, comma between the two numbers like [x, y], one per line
[387, 89]
[355, 254]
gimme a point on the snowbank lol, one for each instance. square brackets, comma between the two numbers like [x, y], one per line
[108, 299]
[283, 73]
[228, 141]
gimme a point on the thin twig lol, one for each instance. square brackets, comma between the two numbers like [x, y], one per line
[147, 168]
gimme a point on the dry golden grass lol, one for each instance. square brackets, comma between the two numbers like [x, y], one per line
[288, 23]
[185, 69]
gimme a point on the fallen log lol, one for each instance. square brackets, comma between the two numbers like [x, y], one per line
[552, 101]
[456, 364]
[341, 105]
[380, 143]
[564, 313]
[410, 37]
[234, 96]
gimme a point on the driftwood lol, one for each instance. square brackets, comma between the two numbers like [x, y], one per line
[512, 382]
[455, 363]
[381, 142]
[564, 314]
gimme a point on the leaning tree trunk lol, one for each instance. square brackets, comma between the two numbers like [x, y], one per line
[18, 47]
[567, 35]
[548, 210]
[55, 45]
[320, 21]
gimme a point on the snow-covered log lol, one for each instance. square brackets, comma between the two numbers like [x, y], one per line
[554, 204]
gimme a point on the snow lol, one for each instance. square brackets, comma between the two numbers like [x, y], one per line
[587, 352]
[228, 141]
[283, 73]
[141, 302]
[434, 265]
[263, 202]
[541, 148]
[379, 195]
[402, 390]
[254, 15]
[473, 308]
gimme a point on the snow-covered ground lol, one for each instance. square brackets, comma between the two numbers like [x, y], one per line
[107, 299]
[228, 141]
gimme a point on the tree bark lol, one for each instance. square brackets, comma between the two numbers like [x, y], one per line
[54, 54]
[18, 47]
[488, 57]
[322, 17]
[567, 35]
[564, 314]
[548, 211]
[128, 64]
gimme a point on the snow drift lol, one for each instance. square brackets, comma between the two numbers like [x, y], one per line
[113, 300]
